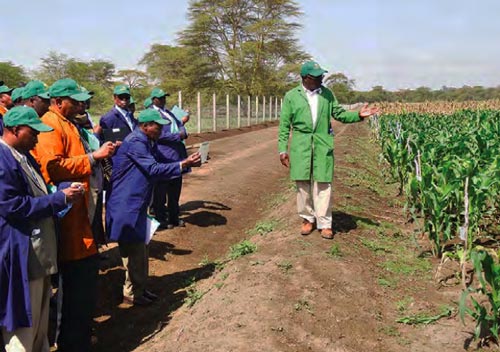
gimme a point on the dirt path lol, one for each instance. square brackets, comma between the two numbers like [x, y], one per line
[220, 201]
[294, 293]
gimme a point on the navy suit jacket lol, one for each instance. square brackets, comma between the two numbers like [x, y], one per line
[114, 119]
[17, 206]
[135, 170]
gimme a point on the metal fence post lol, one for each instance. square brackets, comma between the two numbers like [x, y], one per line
[180, 99]
[276, 108]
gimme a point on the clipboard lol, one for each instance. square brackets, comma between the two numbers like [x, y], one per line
[115, 134]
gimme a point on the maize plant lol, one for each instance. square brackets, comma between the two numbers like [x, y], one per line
[448, 166]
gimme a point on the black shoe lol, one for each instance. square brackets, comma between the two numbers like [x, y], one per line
[150, 295]
[139, 301]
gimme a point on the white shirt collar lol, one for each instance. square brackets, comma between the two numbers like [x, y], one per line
[316, 91]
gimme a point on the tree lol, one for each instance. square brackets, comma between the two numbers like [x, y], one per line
[342, 87]
[250, 44]
[133, 78]
[12, 75]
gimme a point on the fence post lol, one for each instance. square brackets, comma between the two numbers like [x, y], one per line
[199, 111]
[239, 111]
[180, 99]
[270, 108]
[264, 108]
[276, 108]
[227, 111]
[214, 113]
[249, 111]
[257, 109]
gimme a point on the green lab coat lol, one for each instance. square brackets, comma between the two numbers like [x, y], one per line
[311, 148]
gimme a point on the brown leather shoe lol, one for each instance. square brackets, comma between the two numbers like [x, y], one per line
[306, 228]
[327, 234]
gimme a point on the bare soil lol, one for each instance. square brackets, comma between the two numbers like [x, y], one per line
[294, 293]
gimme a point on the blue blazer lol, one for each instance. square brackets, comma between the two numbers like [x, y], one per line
[17, 204]
[135, 170]
[170, 144]
[114, 119]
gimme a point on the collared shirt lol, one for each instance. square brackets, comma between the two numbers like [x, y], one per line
[313, 98]
[173, 125]
[126, 115]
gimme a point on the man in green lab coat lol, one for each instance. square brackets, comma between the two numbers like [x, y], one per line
[307, 111]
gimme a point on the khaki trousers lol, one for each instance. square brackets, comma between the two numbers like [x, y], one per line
[314, 202]
[33, 339]
[135, 258]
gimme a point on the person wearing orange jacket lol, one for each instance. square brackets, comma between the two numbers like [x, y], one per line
[64, 155]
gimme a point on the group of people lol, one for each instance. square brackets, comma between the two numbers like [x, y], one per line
[55, 165]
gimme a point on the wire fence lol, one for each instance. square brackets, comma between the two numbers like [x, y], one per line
[216, 114]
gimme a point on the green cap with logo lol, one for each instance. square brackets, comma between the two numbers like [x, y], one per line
[312, 68]
[121, 89]
[68, 87]
[4, 88]
[16, 94]
[158, 93]
[36, 88]
[151, 115]
[23, 115]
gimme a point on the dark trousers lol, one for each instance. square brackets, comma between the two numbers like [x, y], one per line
[170, 189]
[79, 295]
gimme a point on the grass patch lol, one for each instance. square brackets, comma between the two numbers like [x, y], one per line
[193, 295]
[285, 266]
[303, 304]
[243, 248]
[388, 282]
[403, 305]
[334, 251]
[263, 227]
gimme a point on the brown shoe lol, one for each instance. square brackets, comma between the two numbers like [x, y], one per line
[327, 234]
[306, 228]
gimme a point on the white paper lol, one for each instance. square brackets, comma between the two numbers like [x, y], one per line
[204, 151]
[151, 226]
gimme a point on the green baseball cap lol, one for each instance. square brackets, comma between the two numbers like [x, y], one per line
[158, 93]
[151, 115]
[312, 68]
[5, 89]
[16, 93]
[36, 88]
[68, 87]
[148, 102]
[23, 115]
[121, 89]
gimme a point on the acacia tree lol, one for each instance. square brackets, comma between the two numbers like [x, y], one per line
[12, 75]
[250, 44]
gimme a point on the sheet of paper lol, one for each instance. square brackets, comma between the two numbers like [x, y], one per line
[178, 112]
[151, 226]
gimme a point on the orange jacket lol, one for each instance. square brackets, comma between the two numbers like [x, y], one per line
[3, 110]
[62, 157]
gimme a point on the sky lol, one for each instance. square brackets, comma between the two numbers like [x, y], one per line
[397, 44]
